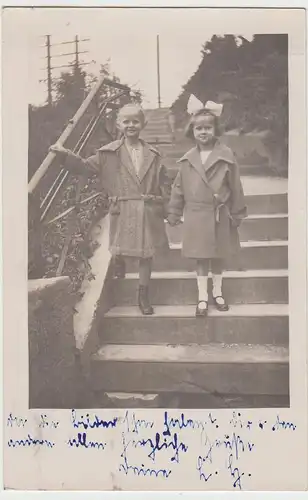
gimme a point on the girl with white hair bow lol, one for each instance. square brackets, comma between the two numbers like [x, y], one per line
[209, 192]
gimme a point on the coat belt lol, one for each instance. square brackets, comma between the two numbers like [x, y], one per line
[218, 210]
[143, 197]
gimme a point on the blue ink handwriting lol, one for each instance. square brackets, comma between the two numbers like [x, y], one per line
[30, 441]
[44, 422]
[281, 424]
[140, 470]
[183, 423]
[156, 448]
[94, 423]
[82, 442]
[235, 473]
[18, 421]
[160, 444]
[133, 424]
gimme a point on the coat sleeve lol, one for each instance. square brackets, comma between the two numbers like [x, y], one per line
[176, 204]
[238, 207]
[165, 187]
[79, 166]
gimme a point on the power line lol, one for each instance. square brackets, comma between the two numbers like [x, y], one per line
[68, 54]
[76, 64]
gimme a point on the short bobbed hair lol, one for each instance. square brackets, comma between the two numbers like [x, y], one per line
[189, 130]
[129, 107]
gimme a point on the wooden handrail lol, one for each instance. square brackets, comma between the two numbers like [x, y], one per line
[117, 85]
[61, 178]
[45, 205]
[41, 171]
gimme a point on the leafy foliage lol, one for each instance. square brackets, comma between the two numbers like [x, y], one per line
[250, 78]
[45, 126]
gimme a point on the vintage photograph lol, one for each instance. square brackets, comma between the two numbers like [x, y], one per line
[157, 214]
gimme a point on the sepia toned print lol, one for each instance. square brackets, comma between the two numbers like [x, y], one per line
[158, 236]
[154, 249]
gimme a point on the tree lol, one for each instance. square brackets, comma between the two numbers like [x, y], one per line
[253, 78]
[70, 88]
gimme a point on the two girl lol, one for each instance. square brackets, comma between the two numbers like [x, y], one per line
[209, 192]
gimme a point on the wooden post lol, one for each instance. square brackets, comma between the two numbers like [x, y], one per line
[158, 71]
[76, 54]
[41, 171]
[49, 82]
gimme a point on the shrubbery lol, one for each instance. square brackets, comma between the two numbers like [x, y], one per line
[251, 79]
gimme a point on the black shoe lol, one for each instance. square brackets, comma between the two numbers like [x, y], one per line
[201, 313]
[144, 302]
[220, 307]
[119, 267]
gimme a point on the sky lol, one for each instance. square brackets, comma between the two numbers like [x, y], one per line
[126, 38]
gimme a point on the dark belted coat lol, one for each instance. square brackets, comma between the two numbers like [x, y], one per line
[137, 227]
[212, 200]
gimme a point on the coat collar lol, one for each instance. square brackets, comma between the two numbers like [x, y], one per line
[219, 153]
[149, 153]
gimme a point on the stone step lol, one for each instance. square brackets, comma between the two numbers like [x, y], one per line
[158, 125]
[259, 227]
[176, 288]
[162, 131]
[253, 255]
[177, 324]
[192, 401]
[162, 136]
[152, 137]
[267, 203]
[171, 400]
[252, 170]
[133, 400]
[174, 151]
[211, 369]
[156, 113]
[157, 130]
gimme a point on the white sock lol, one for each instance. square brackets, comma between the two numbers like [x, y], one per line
[202, 289]
[217, 285]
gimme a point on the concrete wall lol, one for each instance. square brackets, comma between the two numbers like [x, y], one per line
[55, 379]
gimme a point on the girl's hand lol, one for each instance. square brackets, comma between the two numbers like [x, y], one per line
[236, 222]
[172, 221]
[58, 149]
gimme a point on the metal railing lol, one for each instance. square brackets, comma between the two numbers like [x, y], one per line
[42, 208]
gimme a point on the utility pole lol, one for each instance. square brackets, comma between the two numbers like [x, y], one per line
[49, 86]
[76, 54]
[75, 65]
[158, 71]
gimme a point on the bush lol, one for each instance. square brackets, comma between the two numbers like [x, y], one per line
[251, 79]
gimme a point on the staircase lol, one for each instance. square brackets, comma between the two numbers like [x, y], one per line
[157, 130]
[238, 358]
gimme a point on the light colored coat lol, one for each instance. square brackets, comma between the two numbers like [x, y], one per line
[137, 227]
[212, 200]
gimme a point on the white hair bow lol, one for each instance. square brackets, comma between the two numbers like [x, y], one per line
[195, 105]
